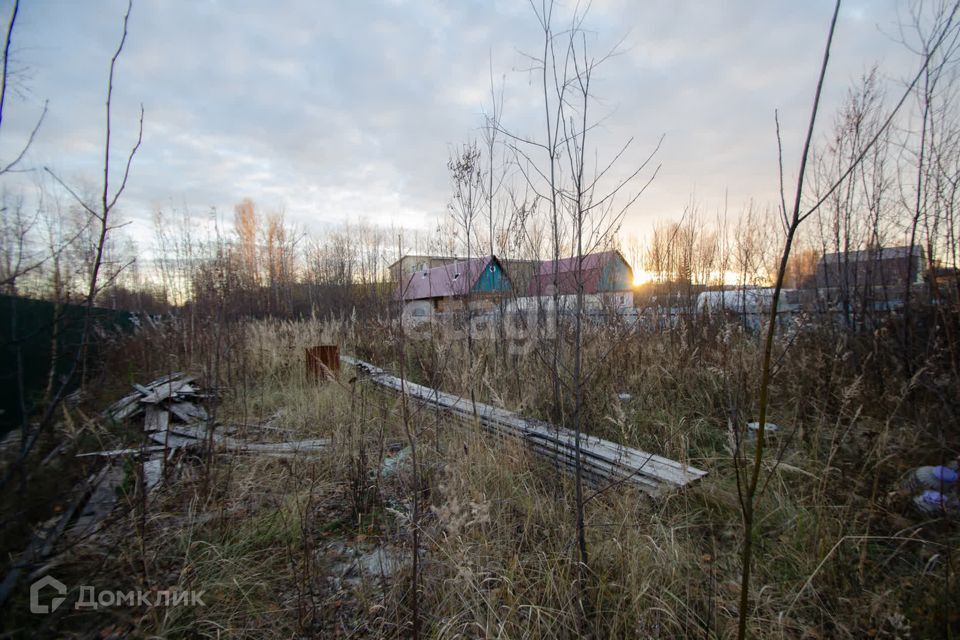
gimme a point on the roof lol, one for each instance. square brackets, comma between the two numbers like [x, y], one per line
[455, 279]
[867, 255]
[520, 272]
[590, 261]
[591, 274]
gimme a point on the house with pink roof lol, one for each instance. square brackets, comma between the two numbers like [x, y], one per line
[450, 287]
[605, 278]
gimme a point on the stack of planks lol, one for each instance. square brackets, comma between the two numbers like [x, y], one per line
[602, 461]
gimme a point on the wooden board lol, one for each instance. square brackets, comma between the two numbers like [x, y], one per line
[186, 411]
[158, 393]
[600, 459]
[155, 420]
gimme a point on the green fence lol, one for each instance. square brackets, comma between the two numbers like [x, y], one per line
[27, 329]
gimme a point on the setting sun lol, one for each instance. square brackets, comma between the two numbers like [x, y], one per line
[641, 277]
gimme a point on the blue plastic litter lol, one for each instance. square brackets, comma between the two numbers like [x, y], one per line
[933, 497]
[945, 474]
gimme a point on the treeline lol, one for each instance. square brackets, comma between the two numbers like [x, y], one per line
[882, 173]
[261, 265]
[255, 264]
[874, 184]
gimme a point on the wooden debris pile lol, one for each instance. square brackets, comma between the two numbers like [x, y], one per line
[174, 422]
[174, 394]
[602, 461]
[175, 418]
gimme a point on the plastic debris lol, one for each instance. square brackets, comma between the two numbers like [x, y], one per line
[392, 464]
[934, 502]
[753, 428]
[937, 478]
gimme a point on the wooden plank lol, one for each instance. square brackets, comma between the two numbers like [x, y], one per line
[113, 453]
[186, 411]
[173, 441]
[195, 431]
[144, 391]
[159, 393]
[294, 446]
[650, 464]
[155, 420]
[527, 427]
[195, 436]
[187, 390]
[130, 404]
[599, 458]
[125, 407]
[43, 544]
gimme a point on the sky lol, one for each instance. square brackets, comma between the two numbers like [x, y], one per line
[335, 110]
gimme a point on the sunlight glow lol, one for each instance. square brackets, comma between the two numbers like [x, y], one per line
[642, 276]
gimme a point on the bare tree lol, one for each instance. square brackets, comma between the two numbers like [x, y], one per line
[494, 174]
[748, 475]
[101, 213]
[581, 207]
[17, 261]
[938, 46]
[16, 257]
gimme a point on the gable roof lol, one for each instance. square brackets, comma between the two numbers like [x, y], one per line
[455, 279]
[591, 273]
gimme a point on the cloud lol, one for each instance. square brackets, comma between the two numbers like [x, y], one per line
[340, 110]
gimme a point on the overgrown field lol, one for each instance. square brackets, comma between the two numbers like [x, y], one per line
[323, 545]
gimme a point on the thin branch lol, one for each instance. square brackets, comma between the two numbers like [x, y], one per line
[73, 193]
[783, 199]
[106, 146]
[126, 171]
[6, 56]
[889, 120]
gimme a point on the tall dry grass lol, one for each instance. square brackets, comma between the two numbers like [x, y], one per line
[839, 553]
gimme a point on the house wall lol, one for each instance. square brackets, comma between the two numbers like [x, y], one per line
[617, 276]
[568, 303]
[885, 272]
[492, 279]
[521, 273]
[478, 304]
[621, 299]
[418, 309]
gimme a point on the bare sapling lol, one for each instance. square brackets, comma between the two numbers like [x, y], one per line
[410, 432]
[467, 175]
[101, 213]
[583, 212]
[748, 476]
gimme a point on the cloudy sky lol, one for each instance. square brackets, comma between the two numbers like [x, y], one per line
[343, 109]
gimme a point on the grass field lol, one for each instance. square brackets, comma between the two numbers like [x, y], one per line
[324, 544]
